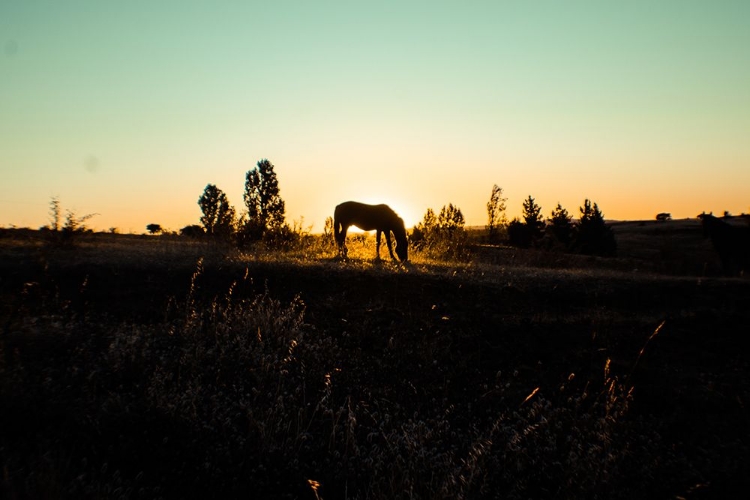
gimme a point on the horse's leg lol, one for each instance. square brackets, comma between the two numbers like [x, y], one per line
[377, 244]
[340, 232]
[388, 242]
[344, 249]
[337, 234]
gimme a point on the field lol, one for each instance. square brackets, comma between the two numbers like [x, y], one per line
[148, 367]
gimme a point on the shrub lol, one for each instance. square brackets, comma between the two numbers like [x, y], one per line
[441, 237]
[519, 234]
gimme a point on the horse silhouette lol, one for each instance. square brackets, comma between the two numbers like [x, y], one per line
[732, 243]
[380, 218]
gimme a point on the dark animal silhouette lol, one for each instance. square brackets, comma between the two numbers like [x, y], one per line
[370, 217]
[731, 242]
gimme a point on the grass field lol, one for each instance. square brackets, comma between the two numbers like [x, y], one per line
[158, 367]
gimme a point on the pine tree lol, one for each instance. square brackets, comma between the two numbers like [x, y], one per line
[561, 227]
[593, 236]
[532, 216]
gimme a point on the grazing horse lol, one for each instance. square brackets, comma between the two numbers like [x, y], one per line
[731, 242]
[368, 217]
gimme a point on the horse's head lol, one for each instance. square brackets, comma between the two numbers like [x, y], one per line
[402, 244]
[402, 250]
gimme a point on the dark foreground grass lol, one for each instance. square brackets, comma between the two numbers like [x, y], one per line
[155, 372]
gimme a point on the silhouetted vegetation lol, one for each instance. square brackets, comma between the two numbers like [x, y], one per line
[560, 228]
[55, 213]
[65, 235]
[159, 368]
[265, 207]
[193, 231]
[590, 235]
[663, 216]
[167, 367]
[532, 217]
[528, 232]
[425, 231]
[593, 236]
[328, 232]
[442, 236]
[495, 214]
[450, 219]
[154, 228]
[219, 217]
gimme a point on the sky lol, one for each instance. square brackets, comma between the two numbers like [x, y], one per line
[129, 109]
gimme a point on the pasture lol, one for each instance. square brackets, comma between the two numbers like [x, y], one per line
[159, 367]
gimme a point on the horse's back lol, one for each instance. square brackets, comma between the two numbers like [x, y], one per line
[364, 216]
[356, 206]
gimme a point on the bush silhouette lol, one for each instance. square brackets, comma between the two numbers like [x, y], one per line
[443, 236]
[193, 231]
[519, 234]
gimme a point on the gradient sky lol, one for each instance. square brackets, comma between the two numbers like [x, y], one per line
[128, 109]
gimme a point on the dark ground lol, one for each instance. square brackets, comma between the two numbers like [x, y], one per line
[417, 338]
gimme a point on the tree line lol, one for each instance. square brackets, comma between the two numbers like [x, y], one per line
[589, 235]
[263, 219]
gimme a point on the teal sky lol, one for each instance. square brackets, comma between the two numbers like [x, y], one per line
[128, 109]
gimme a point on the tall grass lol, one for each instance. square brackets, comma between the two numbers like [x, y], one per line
[233, 395]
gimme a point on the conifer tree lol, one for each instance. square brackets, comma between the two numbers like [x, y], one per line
[593, 235]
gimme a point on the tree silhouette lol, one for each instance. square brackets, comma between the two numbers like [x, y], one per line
[560, 226]
[75, 224]
[593, 236]
[54, 213]
[495, 212]
[526, 233]
[430, 221]
[63, 233]
[443, 235]
[532, 216]
[450, 218]
[218, 215]
[265, 208]
[424, 231]
[153, 228]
